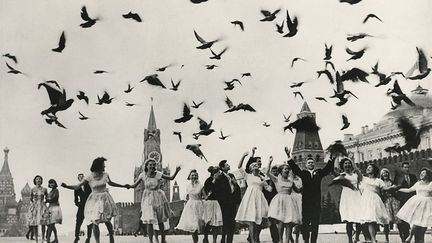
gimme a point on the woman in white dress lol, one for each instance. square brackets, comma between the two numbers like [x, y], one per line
[100, 206]
[417, 211]
[155, 207]
[38, 211]
[283, 206]
[253, 208]
[372, 207]
[350, 197]
[298, 196]
[191, 217]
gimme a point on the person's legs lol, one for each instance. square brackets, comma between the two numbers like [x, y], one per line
[43, 232]
[274, 231]
[162, 232]
[386, 232]
[195, 237]
[420, 234]
[89, 232]
[48, 232]
[280, 228]
[315, 227]
[150, 233]
[54, 230]
[78, 222]
[35, 232]
[110, 231]
[305, 228]
[215, 233]
[206, 233]
[96, 233]
[372, 231]
[404, 230]
[358, 231]
[349, 230]
[288, 231]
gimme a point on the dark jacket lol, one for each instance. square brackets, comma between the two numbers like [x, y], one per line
[223, 190]
[80, 196]
[402, 183]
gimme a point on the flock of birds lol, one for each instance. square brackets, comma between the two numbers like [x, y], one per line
[59, 101]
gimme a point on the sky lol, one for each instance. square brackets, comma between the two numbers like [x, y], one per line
[129, 51]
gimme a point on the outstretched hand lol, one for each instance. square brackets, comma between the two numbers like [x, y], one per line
[63, 184]
[271, 159]
[288, 151]
[178, 168]
[245, 154]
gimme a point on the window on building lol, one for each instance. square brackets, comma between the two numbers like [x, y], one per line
[362, 156]
[370, 154]
[316, 145]
[379, 152]
[309, 144]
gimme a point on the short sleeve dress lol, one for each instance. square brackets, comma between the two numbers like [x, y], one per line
[391, 203]
[54, 210]
[254, 206]
[155, 207]
[283, 206]
[348, 199]
[191, 217]
[418, 209]
[372, 207]
[38, 211]
[100, 206]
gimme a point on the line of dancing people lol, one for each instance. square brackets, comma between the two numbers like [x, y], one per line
[283, 199]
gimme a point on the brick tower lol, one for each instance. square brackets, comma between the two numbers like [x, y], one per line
[307, 144]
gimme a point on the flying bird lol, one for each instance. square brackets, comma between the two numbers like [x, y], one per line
[175, 86]
[230, 84]
[195, 105]
[130, 104]
[82, 117]
[355, 37]
[411, 134]
[246, 75]
[153, 80]
[12, 57]
[106, 99]
[321, 98]
[298, 93]
[89, 21]
[178, 135]
[58, 99]
[345, 122]
[239, 23]
[355, 54]
[291, 25]
[83, 96]
[279, 28]
[328, 75]
[398, 96]
[241, 106]
[266, 124]
[371, 16]
[355, 75]
[133, 16]
[218, 56]
[295, 59]
[337, 149]
[198, 1]
[328, 52]
[129, 89]
[222, 135]
[287, 118]
[204, 43]
[100, 71]
[205, 128]
[352, 2]
[383, 79]
[294, 84]
[343, 181]
[195, 148]
[53, 119]
[329, 63]
[13, 70]
[186, 115]
[162, 69]
[306, 123]
[61, 43]
[421, 65]
[210, 67]
[269, 16]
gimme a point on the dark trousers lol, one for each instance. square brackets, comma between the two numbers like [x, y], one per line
[404, 230]
[274, 233]
[228, 218]
[311, 217]
[79, 221]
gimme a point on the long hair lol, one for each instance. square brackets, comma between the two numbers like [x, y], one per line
[375, 170]
[428, 173]
[98, 164]
[54, 182]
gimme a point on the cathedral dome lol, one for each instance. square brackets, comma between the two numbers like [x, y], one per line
[422, 101]
[26, 190]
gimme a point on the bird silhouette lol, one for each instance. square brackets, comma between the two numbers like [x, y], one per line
[279, 28]
[422, 66]
[328, 75]
[269, 16]
[298, 93]
[355, 37]
[287, 118]
[129, 89]
[53, 119]
[198, 1]
[178, 135]
[298, 84]
[291, 25]
[133, 16]
[211, 66]
[61, 43]
[82, 117]
[12, 57]
[222, 136]
[295, 59]
[89, 21]
[246, 75]
[343, 181]
[355, 54]
[241, 106]
[329, 63]
[130, 104]
[230, 84]
[266, 124]
[398, 96]
[186, 115]
[371, 16]
[58, 99]
[204, 43]
[218, 56]
[153, 80]
[352, 2]
[411, 134]
[355, 75]
[383, 79]
[106, 99]
[13, 70]
[162, 69]
[321, 98]
[100, 72]
[337, 149]
[239, 23]
[328, 52]
[195, 105]
[205, 128]
[306, 123]
[195, 148]
[175, 86]
[83, 96]
[345, 122]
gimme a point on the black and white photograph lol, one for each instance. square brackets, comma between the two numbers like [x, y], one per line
[216, 121]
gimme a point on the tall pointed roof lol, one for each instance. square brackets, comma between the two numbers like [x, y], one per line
[175, 183]
[305, 107]
[5, 171]
[26, 190]
[152, 120]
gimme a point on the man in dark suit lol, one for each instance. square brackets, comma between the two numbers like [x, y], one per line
[81, 196]
[404, 180]
[224, 191]
[311, 195]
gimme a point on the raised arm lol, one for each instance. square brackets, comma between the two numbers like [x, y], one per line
[329, 167]
[269, 174]
[113, 184]
[242, 160]
[166, 177]
[296, 170]
[75, 187]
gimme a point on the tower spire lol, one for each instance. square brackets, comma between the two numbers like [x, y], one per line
[5, 169]
[152, 120]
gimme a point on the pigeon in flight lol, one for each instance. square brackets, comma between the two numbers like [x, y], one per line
[195, 148]
[371, 16]
[218, 56]
[239, 23]
[204, 43]
[89, 22]
[153, 80]
[355, 54]
[133, 16]
[58, 99]
[178, 135]
[83, 96]
[292, 26]
[106, 99]
[175, 86]
[268, 16]
[12, 57]
[345, 121]
[186, 115]
[61, 43]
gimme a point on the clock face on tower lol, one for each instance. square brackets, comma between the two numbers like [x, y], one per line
[155, 155]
